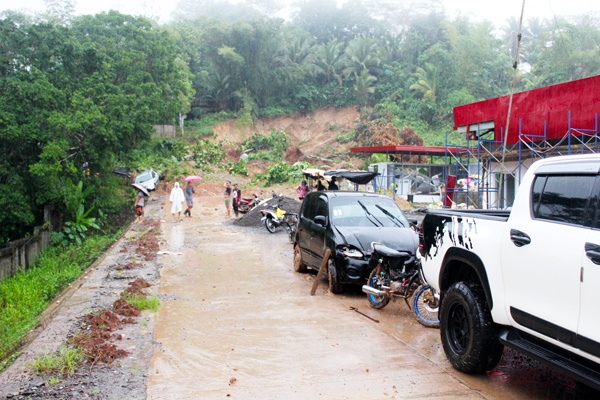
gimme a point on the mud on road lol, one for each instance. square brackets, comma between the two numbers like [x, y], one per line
[237, 322]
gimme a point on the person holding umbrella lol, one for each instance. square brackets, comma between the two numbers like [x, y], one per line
[189, 193]
[189, 198]
[176, 199]
[139, 202]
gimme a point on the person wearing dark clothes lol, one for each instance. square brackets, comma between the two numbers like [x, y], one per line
[333, 185]
[237, 196]
[189, 199]
[320, 186]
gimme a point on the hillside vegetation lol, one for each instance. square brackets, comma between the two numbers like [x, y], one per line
[80, 93]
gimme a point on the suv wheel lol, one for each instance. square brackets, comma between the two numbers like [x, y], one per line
[299, 266]
[335, 286]
[469, 336]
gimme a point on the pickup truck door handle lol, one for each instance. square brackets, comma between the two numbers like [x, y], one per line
[519, 238]
[592, 251]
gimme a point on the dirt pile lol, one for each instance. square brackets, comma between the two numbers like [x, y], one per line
[253, 217]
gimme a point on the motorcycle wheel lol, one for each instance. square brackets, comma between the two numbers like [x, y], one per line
[375, 282]
[270, 225]
[426, 306]
[291, 231]
[335, 286]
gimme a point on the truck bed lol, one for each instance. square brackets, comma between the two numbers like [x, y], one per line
[500, 215]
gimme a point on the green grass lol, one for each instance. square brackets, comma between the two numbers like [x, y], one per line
[64, 363]
[144, 302]
[24, 296]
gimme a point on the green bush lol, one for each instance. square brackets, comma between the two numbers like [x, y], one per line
[276, 140]
[344, 137]
[208, 153]
[238, 168]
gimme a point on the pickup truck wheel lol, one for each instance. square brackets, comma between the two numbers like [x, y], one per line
[299, 266]
[375, 281]
[469, 336]
[335, 286]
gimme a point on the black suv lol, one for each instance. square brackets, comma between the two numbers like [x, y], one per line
[347, 223]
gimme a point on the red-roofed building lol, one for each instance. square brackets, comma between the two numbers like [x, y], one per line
[549, 121]
[556, 110]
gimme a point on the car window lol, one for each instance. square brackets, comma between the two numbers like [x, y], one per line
[143, 177]
[366, 211]
[562, 198]
[321, 208]
[309, 208]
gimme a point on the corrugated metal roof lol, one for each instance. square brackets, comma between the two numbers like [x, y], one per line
[546, 106]
[409, 150]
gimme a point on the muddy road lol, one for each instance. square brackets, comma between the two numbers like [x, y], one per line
[237, 322]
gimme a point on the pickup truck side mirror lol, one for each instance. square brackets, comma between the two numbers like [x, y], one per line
[321, 220]
[413, 221]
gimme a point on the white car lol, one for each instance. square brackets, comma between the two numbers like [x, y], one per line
[148, 179]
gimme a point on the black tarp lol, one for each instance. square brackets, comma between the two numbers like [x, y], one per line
[122, 171]
[358, 177]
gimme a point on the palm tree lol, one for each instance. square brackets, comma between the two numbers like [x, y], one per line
[328, 60]
[363, 87]
[427, 80]
[361, 55]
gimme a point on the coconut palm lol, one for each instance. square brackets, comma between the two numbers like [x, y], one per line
[427, 80]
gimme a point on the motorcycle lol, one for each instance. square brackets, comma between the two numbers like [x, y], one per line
[246, 204]
[277, 217]
[397, 274]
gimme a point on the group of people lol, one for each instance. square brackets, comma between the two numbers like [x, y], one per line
[303, 188]
[178, 196]
[233, 196]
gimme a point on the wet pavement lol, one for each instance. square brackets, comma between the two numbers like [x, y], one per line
[237, 321]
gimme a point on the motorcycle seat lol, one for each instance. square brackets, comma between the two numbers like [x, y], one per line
[388, 252]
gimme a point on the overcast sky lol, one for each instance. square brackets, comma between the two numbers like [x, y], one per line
[495, 11]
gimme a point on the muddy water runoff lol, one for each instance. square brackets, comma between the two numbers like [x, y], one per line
[238, 322]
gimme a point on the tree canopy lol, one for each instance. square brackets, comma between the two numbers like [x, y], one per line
[87, 89]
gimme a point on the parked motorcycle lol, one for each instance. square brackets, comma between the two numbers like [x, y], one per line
[246, 204]
[397, 274]
[274, 218]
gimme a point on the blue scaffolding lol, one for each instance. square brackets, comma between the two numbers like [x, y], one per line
[487, 158]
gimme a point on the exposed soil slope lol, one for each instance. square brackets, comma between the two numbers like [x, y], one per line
[312, 136]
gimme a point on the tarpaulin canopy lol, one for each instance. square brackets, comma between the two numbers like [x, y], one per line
[358, 177]
[315, 173]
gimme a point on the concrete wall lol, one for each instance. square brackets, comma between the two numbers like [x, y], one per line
[162, 131]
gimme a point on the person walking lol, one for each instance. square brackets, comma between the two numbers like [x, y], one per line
[189, 199]
[302, 190]
[177, 198]
[139, 206]
[237, 196]
[228, 198]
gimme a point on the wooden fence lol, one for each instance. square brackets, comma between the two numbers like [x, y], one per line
[20, 255]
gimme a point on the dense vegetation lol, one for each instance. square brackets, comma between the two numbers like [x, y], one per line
[86, 90]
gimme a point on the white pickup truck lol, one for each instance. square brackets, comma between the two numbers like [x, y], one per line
[528, 278]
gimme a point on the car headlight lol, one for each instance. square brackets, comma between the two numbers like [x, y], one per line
[352, 252]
